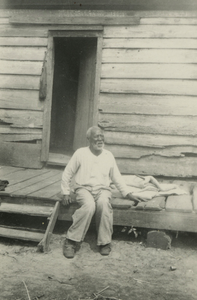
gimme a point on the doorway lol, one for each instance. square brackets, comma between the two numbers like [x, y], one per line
[72, 94]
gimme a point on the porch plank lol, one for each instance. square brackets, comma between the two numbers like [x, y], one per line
[31, 210]
[48, 191]
[20, 234]
[26, 183]
[29, 190]
[23, 175]
[181, 203]
[6, 170]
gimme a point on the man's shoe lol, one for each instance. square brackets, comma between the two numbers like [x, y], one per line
[105, 249]
[69, 248]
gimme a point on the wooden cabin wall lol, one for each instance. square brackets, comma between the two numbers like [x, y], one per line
[148, 94]
[148, 89]
[22, 53]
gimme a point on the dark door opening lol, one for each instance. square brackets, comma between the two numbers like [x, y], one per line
[73, 93]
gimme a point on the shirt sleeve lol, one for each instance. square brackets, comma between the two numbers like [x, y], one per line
[68, 173]
[117, 178]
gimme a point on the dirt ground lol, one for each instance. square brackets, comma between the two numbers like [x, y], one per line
[131, 271]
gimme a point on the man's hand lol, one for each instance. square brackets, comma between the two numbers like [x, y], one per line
[136, 200]
[66, 199]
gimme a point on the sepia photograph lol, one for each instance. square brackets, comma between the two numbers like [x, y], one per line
[98, 150]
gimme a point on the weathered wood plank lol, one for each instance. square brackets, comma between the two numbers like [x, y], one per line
[21, 137]
[157, 71]
[137, 152]
[21, 234]
[48, 191]
[172, 125]
[126, 43]
[44, 244]
[152, 86]
[6, 170]
[20, 67]
[32, 119]
[195, 199]
[17, 184]
[147, 104]
[158, 165]
[151, 31]
[20, 99]
[148, 140]
[22, 175]
[157, 203]
[20, 155]
[167, 56]
[34, 188]
[145, 219]
[4, 21]
[31, 210]
[181, 203]
[23, 41]
[4, 13]
[32, 31]
[108, 13]
[168, 21]
[12, 31]
[23, 53]
[50, 17]
[129, 43]
[5, 129]
[19, 82]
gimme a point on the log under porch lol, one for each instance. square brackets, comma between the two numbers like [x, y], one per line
[30, 186]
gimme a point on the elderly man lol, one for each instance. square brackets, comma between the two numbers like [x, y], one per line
[93, 169]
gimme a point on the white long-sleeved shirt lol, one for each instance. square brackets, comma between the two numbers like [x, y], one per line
[93, 172]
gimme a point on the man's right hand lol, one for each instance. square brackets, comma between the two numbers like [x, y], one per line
[66, 199]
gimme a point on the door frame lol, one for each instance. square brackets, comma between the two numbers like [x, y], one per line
[78, 32]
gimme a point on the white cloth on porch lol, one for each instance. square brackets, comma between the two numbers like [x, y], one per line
[147, 192]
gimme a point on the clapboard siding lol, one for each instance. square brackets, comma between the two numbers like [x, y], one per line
[23, 41]
[12, 31]
[148, 140]
[172, 56]
[147, 104]
[21, 67]
[173, 125]
[20, 99]
[149, 43]
[121, 151]
[158, 165]
[168, 21]
[154, 86]
[21, 54]
[151, 31]
[148, 99]
[22, 82]
[148, 89]
[4, 129]
[21, 118]
[163, 71]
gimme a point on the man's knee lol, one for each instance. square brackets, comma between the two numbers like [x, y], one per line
[85, 199]
[104, 199]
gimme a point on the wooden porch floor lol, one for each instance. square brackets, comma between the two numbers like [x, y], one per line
[178, 213]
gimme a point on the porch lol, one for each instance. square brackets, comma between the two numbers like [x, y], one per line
[37, 193]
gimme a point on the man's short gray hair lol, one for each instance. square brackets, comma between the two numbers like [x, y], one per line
[89, 131]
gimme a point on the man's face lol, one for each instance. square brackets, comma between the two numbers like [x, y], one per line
[96, 141]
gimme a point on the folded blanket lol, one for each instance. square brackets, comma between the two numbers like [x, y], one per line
[147, 189]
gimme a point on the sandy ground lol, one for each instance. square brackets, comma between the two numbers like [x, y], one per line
[131, 271]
